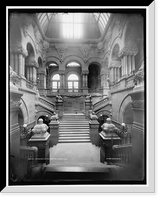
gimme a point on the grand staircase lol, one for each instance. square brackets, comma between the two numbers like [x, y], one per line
[73, 128]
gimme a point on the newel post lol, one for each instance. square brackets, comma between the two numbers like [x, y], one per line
[54, 129]
[93, 125]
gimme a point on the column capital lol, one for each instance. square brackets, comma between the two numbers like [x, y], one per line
[115, 63]
[61, 72]
[19, 50]
[85, 72]
[130, 50]
[32, 64]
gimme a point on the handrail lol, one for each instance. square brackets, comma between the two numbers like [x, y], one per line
[44, 102]
[101, 103]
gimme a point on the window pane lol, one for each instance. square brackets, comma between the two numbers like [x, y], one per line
[56, 77]
[54, 85]
[70, 85]
[75, 85]
[73, 77]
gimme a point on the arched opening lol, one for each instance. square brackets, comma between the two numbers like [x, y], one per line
[73, 83]
[51, 69]
[128, 120]
[29, 62]
[116, 69]
[94, 80]
[20, 118]
[55, 82]
[128, 114]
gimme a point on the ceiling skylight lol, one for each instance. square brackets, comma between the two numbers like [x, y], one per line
[72, 25]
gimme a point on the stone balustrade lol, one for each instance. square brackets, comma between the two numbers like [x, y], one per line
[44, 102]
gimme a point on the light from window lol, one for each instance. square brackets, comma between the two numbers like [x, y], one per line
[73, 64]
[72, 26]
[56, 77]
[55, 82]
[73, 77]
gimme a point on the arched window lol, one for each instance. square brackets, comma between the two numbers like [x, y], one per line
[55, 82]
[73, 83]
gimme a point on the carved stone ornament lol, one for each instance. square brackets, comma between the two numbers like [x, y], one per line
[14, 78]
[14, 104]
[129, 50]
[120, 26]
[61, 50]
[139, 76]
[19, 50]
[85, 49]
[115, 64]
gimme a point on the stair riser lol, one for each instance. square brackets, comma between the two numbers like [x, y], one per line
[73, 141]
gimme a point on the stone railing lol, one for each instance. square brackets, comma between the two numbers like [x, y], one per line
[46, 104]
[28, 158]
[100, 104]
[122, 153]
[29, 84]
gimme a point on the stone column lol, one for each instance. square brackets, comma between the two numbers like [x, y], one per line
[88, 104]
[133, 62]
[127, 55]
[41, 84]
[84, 75]
[16, 63]
[12, 61]
[18, 55]
[129, 64]
[62, 84]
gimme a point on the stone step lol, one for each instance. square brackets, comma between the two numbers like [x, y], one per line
[76, 135]
[73, 137]
[73, 132]
[74, 125]
[74, 122]
[74, 140]
[78, 173]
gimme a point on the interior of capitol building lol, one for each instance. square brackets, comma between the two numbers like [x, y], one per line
[76, 96]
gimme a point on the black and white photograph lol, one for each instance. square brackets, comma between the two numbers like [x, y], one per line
[78, 97]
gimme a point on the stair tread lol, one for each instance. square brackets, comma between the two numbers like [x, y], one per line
[81, 140]
[74, 127]
[70, 134]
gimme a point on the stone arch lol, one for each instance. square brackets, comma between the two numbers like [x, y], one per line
[104, 112]
[122, 108]
[24, 110]
[40, 62]
[94, 60]
[128, 114]
[43, 113]
[115, 51]
[51, 59]
[74, 59]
